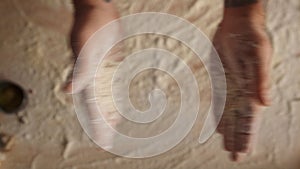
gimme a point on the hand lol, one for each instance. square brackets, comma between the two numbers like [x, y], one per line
[245, 51]
[87, 20]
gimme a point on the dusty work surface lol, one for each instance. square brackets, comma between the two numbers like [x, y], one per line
[34, 52]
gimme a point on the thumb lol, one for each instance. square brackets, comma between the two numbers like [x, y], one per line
[79, 78]
[262, 81]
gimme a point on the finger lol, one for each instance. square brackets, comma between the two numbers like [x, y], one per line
[229, 137]
[246, 127]
[243, 132]
[262, 85]
[235, 156]
[99, 124]
[92, 54]
[83, 73]
[217, 72]
[221, 127]
[262, 74]
[243, 142]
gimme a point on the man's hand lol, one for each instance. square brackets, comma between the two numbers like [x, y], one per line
[89, 17]
[245, 51]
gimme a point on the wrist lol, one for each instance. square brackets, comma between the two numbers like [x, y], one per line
[249, 11]
[92, 4]
[95, 7]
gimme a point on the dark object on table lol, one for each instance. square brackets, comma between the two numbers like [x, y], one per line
[12, 97]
